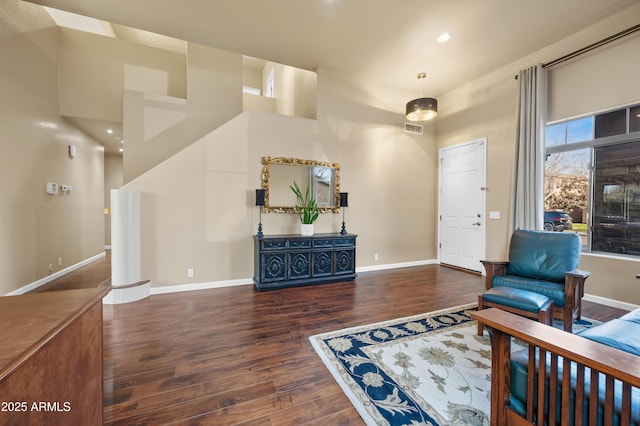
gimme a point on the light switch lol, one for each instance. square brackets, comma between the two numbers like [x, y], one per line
[494, 215]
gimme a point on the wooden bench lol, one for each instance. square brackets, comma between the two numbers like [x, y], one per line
[559, 366]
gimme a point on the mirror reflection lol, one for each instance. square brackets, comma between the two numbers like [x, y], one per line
[279, 173]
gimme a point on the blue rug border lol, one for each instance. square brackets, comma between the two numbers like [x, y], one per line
[386, 331]
[381, 332]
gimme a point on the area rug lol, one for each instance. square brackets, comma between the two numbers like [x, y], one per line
[429, 369]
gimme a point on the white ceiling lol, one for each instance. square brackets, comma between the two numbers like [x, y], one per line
[381, 41]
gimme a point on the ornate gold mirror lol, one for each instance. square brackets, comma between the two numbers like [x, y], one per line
[323, 179]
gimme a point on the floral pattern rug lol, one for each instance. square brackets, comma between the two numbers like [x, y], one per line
[430, 369]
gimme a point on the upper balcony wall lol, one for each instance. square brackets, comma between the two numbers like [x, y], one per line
[94, 70]
[295, 89]
[155, 128]
[167, 100]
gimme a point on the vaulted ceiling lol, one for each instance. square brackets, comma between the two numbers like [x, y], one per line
[383, 41]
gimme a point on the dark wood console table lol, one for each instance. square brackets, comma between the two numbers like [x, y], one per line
[294, 260]
[51, 358]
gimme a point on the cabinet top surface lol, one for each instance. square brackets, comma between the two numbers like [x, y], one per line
[314, 236]
[31, 319]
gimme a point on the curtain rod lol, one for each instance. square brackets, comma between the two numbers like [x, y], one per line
[593, 46]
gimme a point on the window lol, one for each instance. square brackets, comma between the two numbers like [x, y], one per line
[611, 123]
[616, 199]
[568, 132]
[580, 130]
[556, 134]
[634, 119]
[592, 173]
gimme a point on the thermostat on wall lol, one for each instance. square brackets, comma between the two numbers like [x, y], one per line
[52, 188]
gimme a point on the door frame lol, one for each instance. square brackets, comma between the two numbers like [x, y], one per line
[483, 207]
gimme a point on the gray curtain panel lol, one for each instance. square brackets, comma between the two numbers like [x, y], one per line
[527, 193]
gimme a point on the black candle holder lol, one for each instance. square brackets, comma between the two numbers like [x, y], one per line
[260, 201]
[344, 203]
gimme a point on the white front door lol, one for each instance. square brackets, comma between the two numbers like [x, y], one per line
[462, 204]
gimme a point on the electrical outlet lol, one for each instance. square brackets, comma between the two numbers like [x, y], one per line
[59, 261]
[191, 273]
[375, 257]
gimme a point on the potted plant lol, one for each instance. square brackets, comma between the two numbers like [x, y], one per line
[306, 207]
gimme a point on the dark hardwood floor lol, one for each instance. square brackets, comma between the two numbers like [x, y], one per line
[94, 274]
[236, 356]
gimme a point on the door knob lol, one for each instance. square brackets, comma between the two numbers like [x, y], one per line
[476, 224]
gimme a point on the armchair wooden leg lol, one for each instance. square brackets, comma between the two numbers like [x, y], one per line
[568, 319]
[545, 315]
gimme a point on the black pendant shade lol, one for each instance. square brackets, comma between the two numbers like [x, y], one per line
[422, 109]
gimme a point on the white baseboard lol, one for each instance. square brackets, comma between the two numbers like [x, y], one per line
[56, 275]
[200, 286]
[396, 265]
[245, 281]
[127, 294]
[610, 302]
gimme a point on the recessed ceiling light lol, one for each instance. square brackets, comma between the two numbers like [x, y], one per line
[121, 150]
[121, 140]
[443, 37]
[109, 131]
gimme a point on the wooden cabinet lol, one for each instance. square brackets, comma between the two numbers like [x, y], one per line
[51, 358]
[293, 260]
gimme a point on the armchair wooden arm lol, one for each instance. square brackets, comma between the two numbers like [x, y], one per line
[493, 268]
[574, 292]
[563, 349]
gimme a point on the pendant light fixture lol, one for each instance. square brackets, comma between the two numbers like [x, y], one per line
[422, 109]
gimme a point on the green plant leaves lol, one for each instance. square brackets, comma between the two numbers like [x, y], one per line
[306, 206]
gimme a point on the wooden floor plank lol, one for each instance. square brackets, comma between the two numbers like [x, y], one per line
[238, 356]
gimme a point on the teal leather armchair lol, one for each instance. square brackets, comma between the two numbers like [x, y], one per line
[545, 263]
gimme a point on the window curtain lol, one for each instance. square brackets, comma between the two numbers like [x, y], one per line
[527, 196]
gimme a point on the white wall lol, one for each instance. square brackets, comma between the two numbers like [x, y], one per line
[94, 70]
[200, 211]
[112, 180]
[157, 127]
[295, 91]
[36, 229]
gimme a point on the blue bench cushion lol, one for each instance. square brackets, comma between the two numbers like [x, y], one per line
[633, 316]
[519, 381]
[622, 333]
[618, 333]
[552, 290]
[543, 255]
[516, 298]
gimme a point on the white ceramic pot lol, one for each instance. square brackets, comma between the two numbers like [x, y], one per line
[306, 229]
